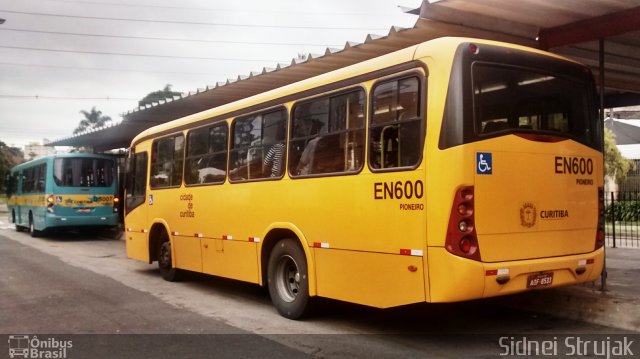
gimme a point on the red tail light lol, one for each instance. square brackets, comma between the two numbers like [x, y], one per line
[116, 201]
[600, 229]
[461, 233]
[50, 203]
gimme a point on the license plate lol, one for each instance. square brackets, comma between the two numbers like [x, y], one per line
[84, 210]
[539, 280]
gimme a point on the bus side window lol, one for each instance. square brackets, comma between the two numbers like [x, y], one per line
[328, 135]
[395, 132]
[166, 162]
[28, 180]
[40, 172]
[258, 147]
[11, 184]
[206, 160]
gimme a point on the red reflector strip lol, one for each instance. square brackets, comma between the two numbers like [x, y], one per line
[198, 235]
[591, 261]
[411, 252]
[254, 239]
[227, 237]
[321, 244]
[491, 272]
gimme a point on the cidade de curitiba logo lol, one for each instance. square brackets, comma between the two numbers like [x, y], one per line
[32, 347]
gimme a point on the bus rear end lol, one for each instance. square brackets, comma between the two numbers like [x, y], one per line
[84, 192]
[525, 209]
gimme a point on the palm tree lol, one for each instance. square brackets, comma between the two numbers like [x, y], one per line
[92, 119]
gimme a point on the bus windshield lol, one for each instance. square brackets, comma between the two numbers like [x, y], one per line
[515, 99]
[83, 172]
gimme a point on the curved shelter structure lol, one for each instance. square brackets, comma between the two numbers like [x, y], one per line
[569, 28]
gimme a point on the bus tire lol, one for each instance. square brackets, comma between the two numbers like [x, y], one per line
[13, 220]
[288, 279]
[165, 265]
[32, 228]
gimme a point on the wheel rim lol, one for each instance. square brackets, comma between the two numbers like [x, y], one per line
[164, 259]
[287, 278]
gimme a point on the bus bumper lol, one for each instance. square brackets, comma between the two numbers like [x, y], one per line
[109, 220]
[453, 278]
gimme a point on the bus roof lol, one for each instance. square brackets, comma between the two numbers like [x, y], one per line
[44, 159]
[405, 55]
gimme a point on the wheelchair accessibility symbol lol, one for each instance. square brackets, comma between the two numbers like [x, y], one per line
[484, 163]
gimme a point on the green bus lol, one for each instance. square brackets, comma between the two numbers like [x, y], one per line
[63, 191]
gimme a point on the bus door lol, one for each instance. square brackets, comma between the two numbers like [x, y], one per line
[136, 230]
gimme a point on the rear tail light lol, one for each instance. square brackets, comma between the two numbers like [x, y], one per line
[116, 201]
[461, 233]
[473, 49]
[600, 229]
[50, 203]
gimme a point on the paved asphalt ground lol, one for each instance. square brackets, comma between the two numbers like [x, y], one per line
[84, 284]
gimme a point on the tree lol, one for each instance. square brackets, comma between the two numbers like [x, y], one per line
[9, 157]
[92, 119]
[158, 95]
[615, 165]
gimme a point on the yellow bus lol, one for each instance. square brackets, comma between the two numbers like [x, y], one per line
[447, 171]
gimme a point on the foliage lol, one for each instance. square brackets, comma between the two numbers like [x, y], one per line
[616, 166]
[92, 119]
[158, 95]
[623, 210]
[9, 157]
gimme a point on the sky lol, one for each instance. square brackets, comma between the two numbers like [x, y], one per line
[58, 57]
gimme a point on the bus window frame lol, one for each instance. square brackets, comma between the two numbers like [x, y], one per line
[150, 159]
[186, 147]
[31, 175]
[423, 96]
[511, 130]
[458, 127]
[329, 95]
[231, 136]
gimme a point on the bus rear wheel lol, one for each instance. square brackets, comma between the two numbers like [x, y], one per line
[13, 220]
[32, 228]
[165, 262]
[288, 279]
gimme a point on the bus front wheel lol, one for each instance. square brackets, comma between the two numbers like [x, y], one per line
[288, 279]
[167, 271]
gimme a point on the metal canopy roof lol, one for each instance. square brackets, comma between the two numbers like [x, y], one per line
[626, 133]
[569, 27]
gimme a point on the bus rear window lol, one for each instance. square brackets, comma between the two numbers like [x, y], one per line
[513, 99]
[83, 172]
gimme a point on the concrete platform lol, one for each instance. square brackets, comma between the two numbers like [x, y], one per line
[618, 306]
